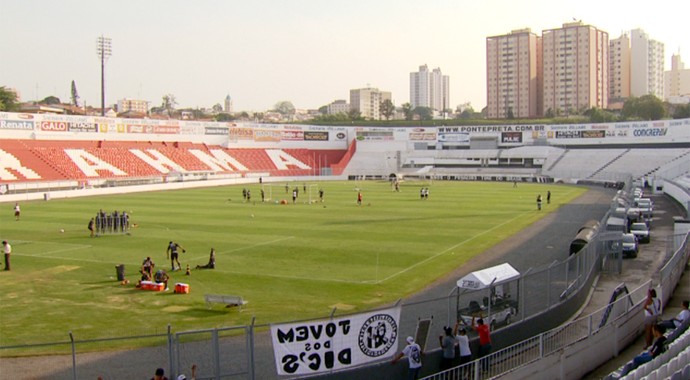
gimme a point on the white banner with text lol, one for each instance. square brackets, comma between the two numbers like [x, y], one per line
[312, 347]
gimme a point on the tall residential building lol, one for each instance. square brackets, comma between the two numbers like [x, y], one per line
[646, 65]
[676, 80]
[367, 101]
[576, 66]
[228, 106]
[513, 68]
[429, 89]
[338, 106]
[133, 105]
[619, 68]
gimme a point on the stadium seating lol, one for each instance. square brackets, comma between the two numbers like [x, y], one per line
[128, 159]
[51, 160]
[676, 360]
[639, 162]
[581, 163]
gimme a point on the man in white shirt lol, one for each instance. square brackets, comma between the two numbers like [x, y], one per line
[7, 248]
[414, 357]
[679, 319]
[463, 344]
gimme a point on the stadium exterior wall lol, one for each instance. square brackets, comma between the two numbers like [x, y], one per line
[679, 193]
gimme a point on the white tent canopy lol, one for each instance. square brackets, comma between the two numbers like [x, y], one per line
[483, 278]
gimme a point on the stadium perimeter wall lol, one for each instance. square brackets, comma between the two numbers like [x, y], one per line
[252, 135]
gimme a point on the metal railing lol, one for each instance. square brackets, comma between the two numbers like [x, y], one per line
[544, 344]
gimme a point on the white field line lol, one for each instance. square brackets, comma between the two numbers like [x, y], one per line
[74, 247]
[455, 246]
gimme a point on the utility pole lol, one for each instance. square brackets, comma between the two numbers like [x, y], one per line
[104, 52]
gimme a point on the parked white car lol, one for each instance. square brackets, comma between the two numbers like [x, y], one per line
[641, 232]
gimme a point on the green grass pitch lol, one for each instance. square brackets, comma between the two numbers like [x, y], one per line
[288, 261]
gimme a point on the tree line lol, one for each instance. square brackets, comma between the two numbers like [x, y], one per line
[647, 107]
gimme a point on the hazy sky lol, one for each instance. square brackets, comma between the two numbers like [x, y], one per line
[310, 52]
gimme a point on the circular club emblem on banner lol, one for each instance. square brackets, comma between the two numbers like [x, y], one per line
[340, 135]
[378, 335]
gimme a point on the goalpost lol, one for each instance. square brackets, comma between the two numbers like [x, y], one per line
[268, 192]
[313, 191]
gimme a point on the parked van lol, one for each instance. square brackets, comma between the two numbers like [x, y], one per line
[616, 224]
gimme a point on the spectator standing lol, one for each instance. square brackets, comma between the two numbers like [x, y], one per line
[447, 342]
[414, 356]
[652, 310]
[183, 377]
[17, 211]
[7, 249]
[484, 340]
[683, 316]
[463, 344]
[159, 375]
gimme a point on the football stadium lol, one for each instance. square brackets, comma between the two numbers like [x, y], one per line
[277, 251]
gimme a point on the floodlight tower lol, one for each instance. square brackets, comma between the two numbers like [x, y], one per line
[104, 52]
